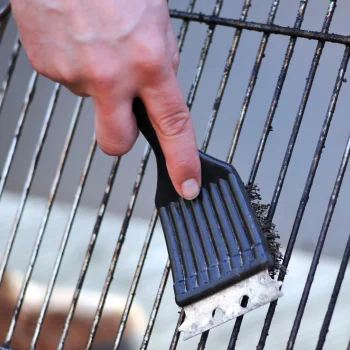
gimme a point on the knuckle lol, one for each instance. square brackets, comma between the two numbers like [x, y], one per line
[151, 63]
[99, 68]
[188, 163]
[152, 57]
[51, 68]
[185, 165]
[174, 124]
[66, 75]
[102, 77]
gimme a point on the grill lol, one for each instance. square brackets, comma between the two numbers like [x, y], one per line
[257, 88]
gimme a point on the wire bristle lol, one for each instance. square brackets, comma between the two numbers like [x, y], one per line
[268, 228]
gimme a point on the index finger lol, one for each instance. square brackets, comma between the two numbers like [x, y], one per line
[171, 120]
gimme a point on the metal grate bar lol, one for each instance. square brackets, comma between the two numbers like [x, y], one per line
[203, 56]
[136, 279]
[334, 297]
[12, 150]
[299, 117]
[30, 177]
[10, 69]
[235, 332]
[203, 340]
[119, 245]
[24, 197]
[282, 76]
[307, 189]
[52, 196]
[96, 229]
[252, 82]
[229, 62]
[152, 319]
[261, 27]
[3, 23]
[184, 26]
[176, 336]
[319, 246]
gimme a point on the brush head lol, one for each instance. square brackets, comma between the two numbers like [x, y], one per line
[268, 229]
[218, 252]
[214, 240]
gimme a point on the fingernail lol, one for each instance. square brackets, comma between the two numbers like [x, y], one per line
[190, 189]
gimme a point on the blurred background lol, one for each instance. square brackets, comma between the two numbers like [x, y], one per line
[228, 116]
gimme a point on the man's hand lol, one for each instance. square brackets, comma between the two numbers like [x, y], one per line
[113, 51]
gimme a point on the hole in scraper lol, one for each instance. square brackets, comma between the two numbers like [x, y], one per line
[244, 300]
[217, 314]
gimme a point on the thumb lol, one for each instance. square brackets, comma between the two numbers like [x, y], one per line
[171, 120]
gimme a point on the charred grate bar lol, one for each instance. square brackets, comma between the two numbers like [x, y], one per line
[261, 27]
[211, 22]
[331, 306]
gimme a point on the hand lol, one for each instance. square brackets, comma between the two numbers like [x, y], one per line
[113, 51]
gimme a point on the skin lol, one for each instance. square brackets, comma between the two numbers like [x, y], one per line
[113, 51]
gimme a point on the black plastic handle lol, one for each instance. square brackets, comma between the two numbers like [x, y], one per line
[145, 126]
[165, 192]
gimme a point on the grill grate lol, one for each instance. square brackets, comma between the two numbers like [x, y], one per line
[211, 21]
